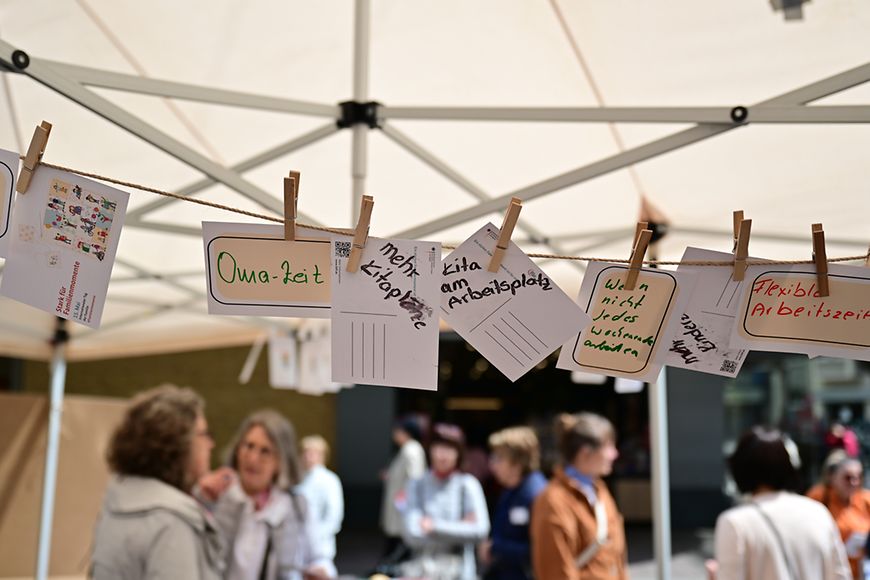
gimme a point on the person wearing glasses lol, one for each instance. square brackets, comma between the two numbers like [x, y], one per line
[150, 525]
[269, 530]
[842, 492]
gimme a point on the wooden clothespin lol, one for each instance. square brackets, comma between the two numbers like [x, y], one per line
[34, 156]
[821, 259]
[642, 236]
[738, 219]
[291, 201]
[741, 248]
[505, 233]
[361, 235]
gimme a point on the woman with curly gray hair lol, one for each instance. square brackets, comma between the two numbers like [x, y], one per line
[269, 531]
[150, 526]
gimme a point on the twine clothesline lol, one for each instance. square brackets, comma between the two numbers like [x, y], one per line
[345, 232]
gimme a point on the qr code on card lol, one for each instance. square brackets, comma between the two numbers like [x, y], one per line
[728, 366]
[342, 249]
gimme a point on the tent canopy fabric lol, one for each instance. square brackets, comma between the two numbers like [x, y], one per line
[679, 62]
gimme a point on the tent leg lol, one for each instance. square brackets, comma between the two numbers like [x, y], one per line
[658, 406]
[359, 151]
[58, 379]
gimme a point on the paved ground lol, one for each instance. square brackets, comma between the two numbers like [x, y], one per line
[358, 552]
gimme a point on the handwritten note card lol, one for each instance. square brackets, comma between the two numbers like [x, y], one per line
[283, 367]
[701, 342]
[630, 329]
[8, 177]
[64, 235]
[515, 317]
[781, 310]
[252, 270]
[385, 316]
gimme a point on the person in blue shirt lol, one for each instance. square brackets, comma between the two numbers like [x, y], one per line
[514, 463]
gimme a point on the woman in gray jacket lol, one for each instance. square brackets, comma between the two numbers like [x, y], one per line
[150, 526]
[269, 532]
[446, 513]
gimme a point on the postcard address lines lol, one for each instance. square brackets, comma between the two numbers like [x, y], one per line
[512, 335]
[367, 341]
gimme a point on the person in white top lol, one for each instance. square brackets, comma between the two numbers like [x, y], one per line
[777, 534]
[323, 492]
[268, 527]
[408, 464]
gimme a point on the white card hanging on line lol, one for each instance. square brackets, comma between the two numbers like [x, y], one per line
[630, 330]
[515, 317]
[781, 311]
[8, 177]
[65, 233]
[283, 360]
[252, 270]
[703, 336]
[315, 360]
[385, 316]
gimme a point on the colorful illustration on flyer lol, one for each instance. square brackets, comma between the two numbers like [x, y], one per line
[78, 219]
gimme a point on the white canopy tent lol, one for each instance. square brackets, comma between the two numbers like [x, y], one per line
[579, 108]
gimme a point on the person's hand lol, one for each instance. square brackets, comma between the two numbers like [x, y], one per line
[484, 552]
[712, 567]
[427, 525]
[214, 484]
[316, 573]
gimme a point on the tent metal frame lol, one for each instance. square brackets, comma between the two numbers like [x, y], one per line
[73, 81]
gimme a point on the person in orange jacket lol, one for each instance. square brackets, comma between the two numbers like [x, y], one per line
[577, 531]
[842, 492]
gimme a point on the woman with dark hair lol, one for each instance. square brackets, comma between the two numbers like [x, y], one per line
[150, 526]
[842, 492]
[577, 531]
[446, 513]
[408, 464]
[269, 531]
[777, 534]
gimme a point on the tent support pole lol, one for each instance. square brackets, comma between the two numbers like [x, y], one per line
[661, 484]
[424, 155]
[811, 92]
[359, 151]
[49, 482]
[57, 81]
[262, 158]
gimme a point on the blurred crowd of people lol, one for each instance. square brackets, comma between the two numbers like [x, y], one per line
[273, 510]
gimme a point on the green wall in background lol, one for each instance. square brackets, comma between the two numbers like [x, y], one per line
[213, 374]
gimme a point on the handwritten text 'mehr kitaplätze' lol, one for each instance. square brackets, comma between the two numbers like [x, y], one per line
[461, 291]
[404, 268]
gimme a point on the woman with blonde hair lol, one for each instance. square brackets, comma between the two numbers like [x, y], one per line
[268, 527]
[514, 463]
[577, 530]
[150, 526]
